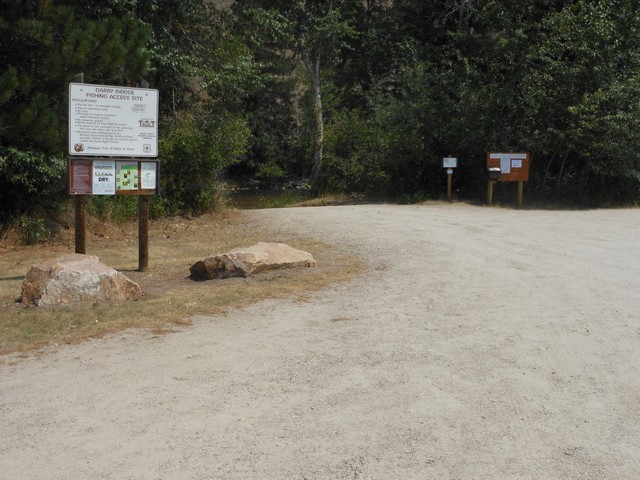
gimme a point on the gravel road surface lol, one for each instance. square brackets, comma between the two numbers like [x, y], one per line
[482, 343]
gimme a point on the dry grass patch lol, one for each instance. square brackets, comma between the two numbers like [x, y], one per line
[170, 297]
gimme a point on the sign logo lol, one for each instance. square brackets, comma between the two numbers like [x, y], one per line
[78, 147]
[147, 123]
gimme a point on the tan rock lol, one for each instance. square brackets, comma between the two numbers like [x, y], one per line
[242, 262]
[76, 278]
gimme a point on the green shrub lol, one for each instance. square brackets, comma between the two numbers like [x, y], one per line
[412, 198]
[270, 173]
[355, 149]
[30, 182]
[114, 209]
[32, 230]
[194, 155]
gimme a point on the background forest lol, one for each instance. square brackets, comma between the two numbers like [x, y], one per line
[346, 96]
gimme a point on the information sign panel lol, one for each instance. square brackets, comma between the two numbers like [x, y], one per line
[127, 176]
[449, 162]
[88, 176]
[104, 177]
[80, 177]
[514, 167]
[148, 175]
[112, 121]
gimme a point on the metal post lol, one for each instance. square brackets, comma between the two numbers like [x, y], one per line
[449, 182]
[143, 233]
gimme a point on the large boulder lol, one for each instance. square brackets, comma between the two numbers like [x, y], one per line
[242, 262]
[75, 278]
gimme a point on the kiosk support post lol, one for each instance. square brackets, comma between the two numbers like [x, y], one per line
[143, 233]
[520, 193]
[80, 225]
[490, 192]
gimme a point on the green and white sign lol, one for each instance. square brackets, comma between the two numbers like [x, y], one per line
[127, 177]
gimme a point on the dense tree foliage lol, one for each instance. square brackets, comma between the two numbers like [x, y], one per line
[183, 48]
[42, 47]
[412, 81]
[356, 96]
[309, 33]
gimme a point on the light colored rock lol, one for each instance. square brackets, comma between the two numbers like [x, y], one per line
[242, 262]
[75, 278]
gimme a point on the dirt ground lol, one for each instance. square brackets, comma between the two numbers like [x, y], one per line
[483, 343]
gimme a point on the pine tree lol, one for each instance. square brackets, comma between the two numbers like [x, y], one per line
[42, 47]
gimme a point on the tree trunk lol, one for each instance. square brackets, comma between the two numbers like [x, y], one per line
[547, 170]
[463, 17]
[313, 67]
[564, 162]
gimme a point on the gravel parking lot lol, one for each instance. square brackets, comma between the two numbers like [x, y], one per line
[482, 343]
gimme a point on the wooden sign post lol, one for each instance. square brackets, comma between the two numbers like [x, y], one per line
[507, 167]
[449, 163]
[490, 192]
[108, 122]
[80, 216]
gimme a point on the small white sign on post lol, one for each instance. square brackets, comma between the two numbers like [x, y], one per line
[106, 120]
[449, 162]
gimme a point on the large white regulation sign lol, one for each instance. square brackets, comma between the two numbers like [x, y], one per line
[105, 120]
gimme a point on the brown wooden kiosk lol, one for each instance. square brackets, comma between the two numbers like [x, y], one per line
[507, 167]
